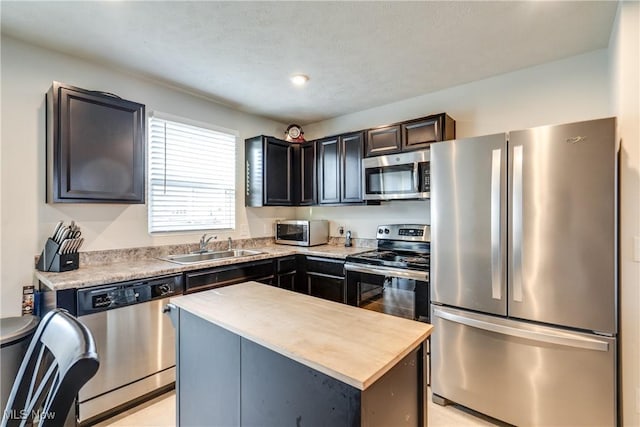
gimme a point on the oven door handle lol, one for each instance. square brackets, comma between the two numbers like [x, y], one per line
[388, 271]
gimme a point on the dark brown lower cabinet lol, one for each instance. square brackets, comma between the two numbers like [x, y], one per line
[325, 278]
[326, 287]
[287, 280]
[316, 276]
[286, 272]
[260, 271]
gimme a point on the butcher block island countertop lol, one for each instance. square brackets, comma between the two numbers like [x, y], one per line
[347, 343]
[253, 354]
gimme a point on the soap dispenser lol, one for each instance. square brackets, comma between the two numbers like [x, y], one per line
[347, 239]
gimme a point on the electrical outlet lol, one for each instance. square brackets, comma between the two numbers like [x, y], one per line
[636, 248]
[341, 230]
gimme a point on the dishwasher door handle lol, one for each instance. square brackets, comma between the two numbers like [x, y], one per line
[172, 311]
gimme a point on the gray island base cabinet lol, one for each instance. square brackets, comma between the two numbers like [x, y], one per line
[228, 374]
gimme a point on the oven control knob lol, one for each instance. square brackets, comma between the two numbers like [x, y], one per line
[380, 231]
[386, 231]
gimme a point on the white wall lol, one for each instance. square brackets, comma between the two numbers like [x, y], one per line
[569, 90]
[625, 88]
[27, 72]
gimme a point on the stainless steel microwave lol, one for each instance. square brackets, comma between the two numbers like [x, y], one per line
[397, 176]
[302, 232]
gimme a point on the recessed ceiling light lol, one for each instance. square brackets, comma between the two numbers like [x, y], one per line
[299, 79]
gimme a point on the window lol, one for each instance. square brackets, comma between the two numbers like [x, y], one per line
[191, 176]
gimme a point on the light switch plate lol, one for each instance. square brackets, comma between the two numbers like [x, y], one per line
[636, 248]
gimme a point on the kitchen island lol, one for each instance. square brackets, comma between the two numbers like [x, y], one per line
[251, 354]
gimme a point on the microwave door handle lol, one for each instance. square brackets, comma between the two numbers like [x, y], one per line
[416, 177]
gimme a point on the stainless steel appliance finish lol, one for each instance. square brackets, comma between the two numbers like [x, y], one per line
[302, 232]
[134, 339]
[396, 176]
[468, 219]
[524, 234]
[537, 375]
[394, 279]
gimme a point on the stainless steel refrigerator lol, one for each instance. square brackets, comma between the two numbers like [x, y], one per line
[524, 274]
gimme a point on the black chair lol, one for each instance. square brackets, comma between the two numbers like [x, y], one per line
[60, 359]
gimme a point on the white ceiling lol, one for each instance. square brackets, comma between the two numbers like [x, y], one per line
[358, 54]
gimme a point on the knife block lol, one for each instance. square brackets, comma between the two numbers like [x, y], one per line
[51, 260]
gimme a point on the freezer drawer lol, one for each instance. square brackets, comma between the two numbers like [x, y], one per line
[524, 374]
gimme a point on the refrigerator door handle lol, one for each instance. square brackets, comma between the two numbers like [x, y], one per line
[517, 222]
[496, 247]
[564, 339]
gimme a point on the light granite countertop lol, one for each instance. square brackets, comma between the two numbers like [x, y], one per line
[139, 268]
[326, 336]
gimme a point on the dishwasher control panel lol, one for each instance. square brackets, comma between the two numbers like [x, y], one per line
[109, 297]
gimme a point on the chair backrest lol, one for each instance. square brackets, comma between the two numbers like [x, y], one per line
[60, 359]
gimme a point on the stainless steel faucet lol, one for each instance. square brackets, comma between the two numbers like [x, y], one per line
[229, 240]
[204, 241]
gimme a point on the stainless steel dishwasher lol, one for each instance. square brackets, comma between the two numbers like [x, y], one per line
[135, 341]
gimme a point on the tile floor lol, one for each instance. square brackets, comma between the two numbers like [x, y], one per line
[161, 412]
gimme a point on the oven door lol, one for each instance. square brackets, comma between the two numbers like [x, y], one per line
[394, 291]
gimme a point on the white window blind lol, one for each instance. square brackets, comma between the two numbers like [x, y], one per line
[191, 177]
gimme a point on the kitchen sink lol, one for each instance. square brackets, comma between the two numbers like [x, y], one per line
[209, 256]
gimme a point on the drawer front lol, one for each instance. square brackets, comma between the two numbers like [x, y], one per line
[333, 267]
[570, 382]
[228, 275]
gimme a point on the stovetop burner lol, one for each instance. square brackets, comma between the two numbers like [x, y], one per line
[399, 245]
[392, 259]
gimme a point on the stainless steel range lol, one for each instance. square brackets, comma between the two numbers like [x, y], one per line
[394, 278]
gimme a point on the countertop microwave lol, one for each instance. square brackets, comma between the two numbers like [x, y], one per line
[397, 176]
[302, 232]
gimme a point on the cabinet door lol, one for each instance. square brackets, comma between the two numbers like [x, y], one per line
[326, 286]
[307, 173]
[96, 146]
[278, 172]
[419, 134]
[383, 140]
[351, 159]
[328, 170]
[287, 280]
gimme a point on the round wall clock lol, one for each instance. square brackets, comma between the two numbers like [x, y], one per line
[294, 133]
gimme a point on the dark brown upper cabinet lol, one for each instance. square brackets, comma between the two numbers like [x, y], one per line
[411, 135]
[383, 140]
[306, 178]
[340, 169]
[269, 170]
[95, 147]
[419, 134]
